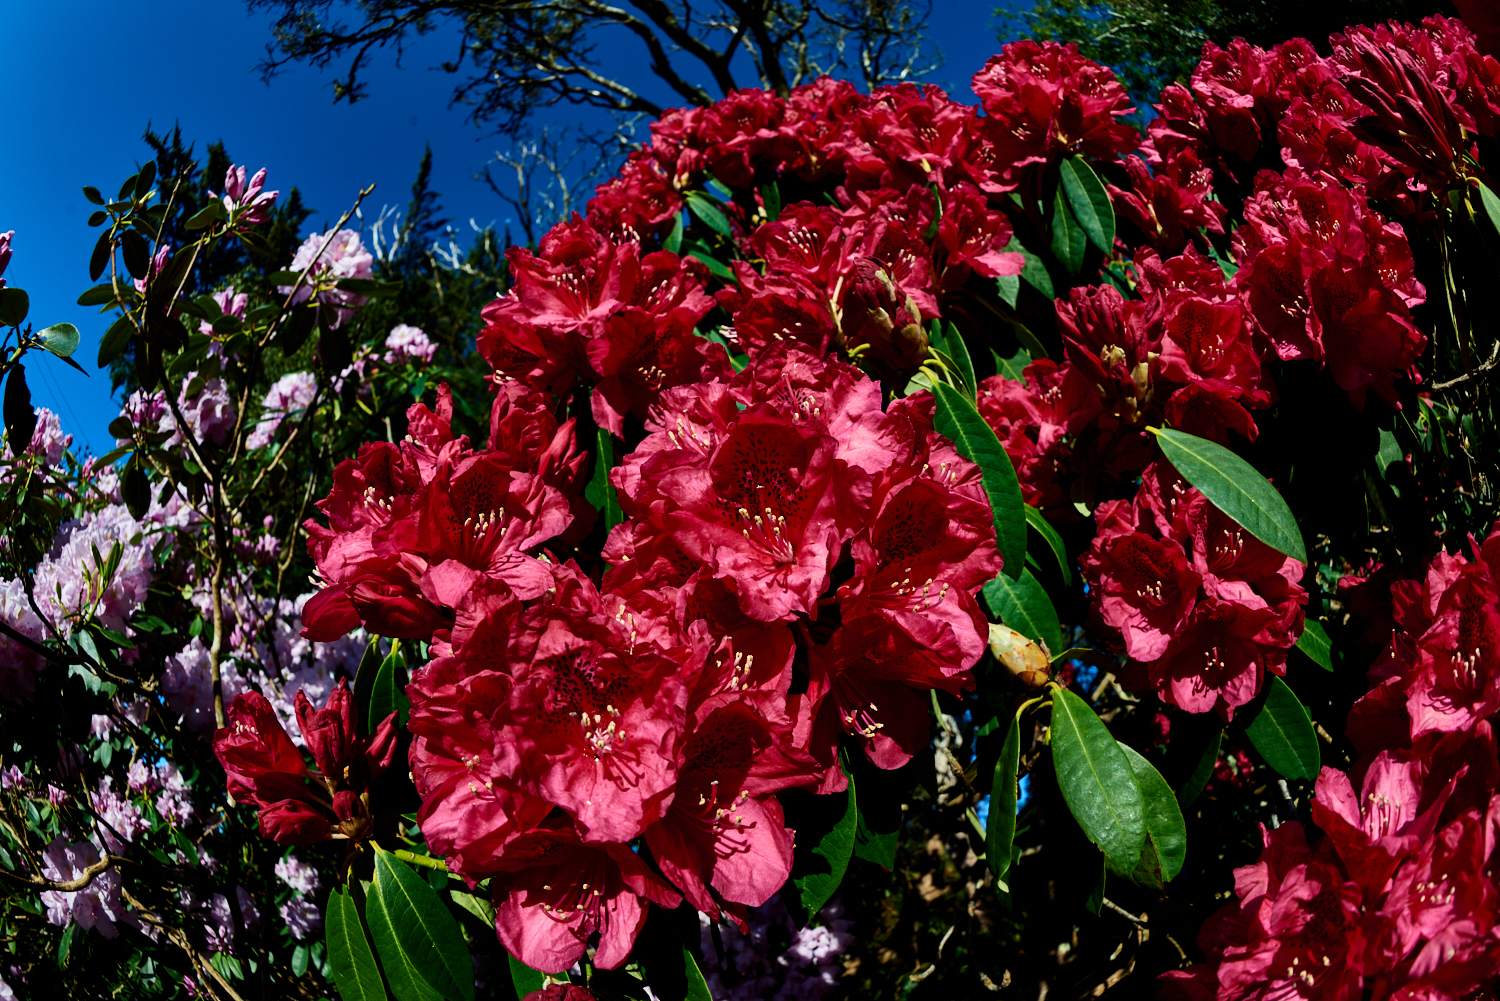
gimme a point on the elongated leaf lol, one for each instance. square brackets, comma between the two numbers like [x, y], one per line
[525, 979]
[1012, 368]
[1000, 829]
[1035, 272]
[1068, 238]
[1043, 527]
[1202, 772]
[478, 906]
[14, 305]
[370, 287]
[714, 266]
[836, 847]
[20, 419]
[673, 242]
[1283, 733]
[60, 338]
[872, 845]
[364, 684]
[1491, 205]
[421, 948]
[98, 295]
[1096, 780]
[1009, 288]
[770, 200]
[953, 344]
[707, 210]
[1024, 606]
[114, 341]
[1233, 486]
[958, 420]
[388, 694]
[350, 957]
[600, 492]
[1166, 834]
[697, 986]
[1315, 643]
[1089, 201]
[99, 259]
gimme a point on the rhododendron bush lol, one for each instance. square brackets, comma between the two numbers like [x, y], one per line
[897, 545]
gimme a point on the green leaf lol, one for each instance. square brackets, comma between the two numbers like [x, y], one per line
[836, 847]
[137, 254]
[673, 242]
[1089, 201]
[145, 179]
[1096, 779]
[958, 351]
[299, 961]
[707, 210]
[206, 216]
[600, 492]
[957, 419]
[1009, 287]
[114, 341]
[421, 947]
[92, 194]
[1491, 205]
[283, 277]
[388, 694]
[475, 905]
[525, 979]
[20, 419]
[364, 684]
[1035, 272]
[1282, 732]
[1233, 486]
[1095, 903]
[1000, 828]
[1166, 835]
[1192, 788]
[14, 305]
[99, 295]
[350, 957]
[697, 986]
[99, 259]
[876, 846]
[1043, 527]
[1068, 239]
[770, 199]
[713, 265]
[60, 338]
[1315, 643]
[1024, 606]
[1012, 368]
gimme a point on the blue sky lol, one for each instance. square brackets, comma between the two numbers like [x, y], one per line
[75, 119]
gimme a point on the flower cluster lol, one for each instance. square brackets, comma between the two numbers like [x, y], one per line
[326, 259]
[1398, 895]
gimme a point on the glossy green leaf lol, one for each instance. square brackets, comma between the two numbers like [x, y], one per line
[1043, 527]
[524, 978]
[876, 845]
[958, 351]
[1035, 272]
[1089, 201]
[114, 341]
[957, 419]
[1024, 606]
[1068, 238]
[20, 418]
[836, 847]
[1012, 368]
[1282, 732]
[1009, 288]
[421, 948]
[388, 693]
[697, 986]
[708, 211]
[60, 338]
[476, 905]
[673, 242]
[98, 295]
[1000, 828]
[1192, 788]
[364, 685]
[1491, 205]
[770, 200]
[714, 266]
[14, 305]
[1233, 486]
[99, 259]
[1097, 780]
[92, 194]
[1166, 834]
[350, 958]
[599, 491]
[1315, 643]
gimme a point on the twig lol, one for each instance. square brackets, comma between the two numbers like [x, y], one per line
[1124, 913]
[68, 886]
[178, 938]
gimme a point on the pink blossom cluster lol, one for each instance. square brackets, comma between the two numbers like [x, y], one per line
[328, 258]
[1398, 898]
